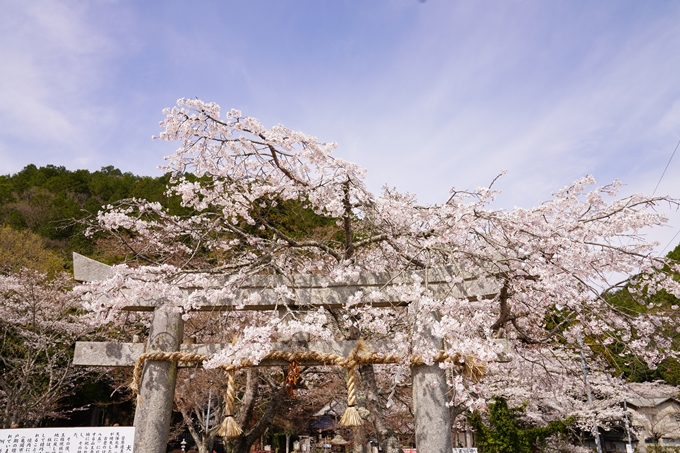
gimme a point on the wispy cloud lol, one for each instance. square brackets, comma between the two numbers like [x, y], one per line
[426, 96]
[55, 63]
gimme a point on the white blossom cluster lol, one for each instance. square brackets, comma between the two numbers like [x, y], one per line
[515, 271]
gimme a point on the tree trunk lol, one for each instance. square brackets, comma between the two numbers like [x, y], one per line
[204, 441]
[386, 438]
[249, 397]
[359, 439]
[243, 443]
[206, 445]
[95, 413]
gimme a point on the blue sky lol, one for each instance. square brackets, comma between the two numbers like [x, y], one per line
[425, 95]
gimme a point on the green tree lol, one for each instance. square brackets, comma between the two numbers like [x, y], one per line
[51, 200]
[23, 249]
[504, 431]
[635, 300]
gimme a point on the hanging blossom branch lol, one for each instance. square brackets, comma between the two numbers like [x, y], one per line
[547, 262]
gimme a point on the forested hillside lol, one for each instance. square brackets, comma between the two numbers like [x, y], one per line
[48, 200]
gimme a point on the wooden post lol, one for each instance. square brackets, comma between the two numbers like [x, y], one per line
[157, 389]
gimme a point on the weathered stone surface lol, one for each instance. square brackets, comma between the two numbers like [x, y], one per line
[432, 417]
[433, 421]
[157, 389]
[89, 270]
[92, 353]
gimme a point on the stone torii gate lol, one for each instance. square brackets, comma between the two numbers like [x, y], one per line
[152, 415]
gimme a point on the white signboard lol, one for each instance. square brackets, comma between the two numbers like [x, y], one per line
[110, 439]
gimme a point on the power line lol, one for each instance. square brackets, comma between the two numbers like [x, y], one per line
[669, 242]
[657, 186]
[664, 170]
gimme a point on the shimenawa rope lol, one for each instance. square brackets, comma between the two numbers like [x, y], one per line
[470, 367]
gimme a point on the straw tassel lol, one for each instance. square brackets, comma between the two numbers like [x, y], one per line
[229, 427]
[473, 368]
[351, 416]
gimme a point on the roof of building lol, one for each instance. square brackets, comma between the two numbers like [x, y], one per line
[333, 408]
[324, 423]
[649, 401]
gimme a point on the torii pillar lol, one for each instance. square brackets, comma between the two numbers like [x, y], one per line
[157, 391]
[431, 414]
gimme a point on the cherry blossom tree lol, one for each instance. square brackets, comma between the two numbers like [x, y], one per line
[38, 326]
[550, 384]
[199, 397]
[532, 276]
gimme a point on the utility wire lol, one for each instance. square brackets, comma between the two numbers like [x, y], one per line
[664, 170]
[669, 242]
[657, 186]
